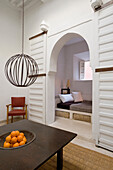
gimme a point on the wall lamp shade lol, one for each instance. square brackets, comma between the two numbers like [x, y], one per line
[19, 68]
[44, 27]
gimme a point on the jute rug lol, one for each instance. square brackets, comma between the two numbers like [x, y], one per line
[79, 158]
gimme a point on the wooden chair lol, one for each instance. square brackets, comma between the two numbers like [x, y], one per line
[18, 108]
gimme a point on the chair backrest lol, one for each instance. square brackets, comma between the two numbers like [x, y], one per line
[18, 101]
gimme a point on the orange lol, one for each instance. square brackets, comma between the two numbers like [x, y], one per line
[24, 139]
[8, 138]
[13, 134]
[17, 132]
[6, 145]
[20, 138]
[4, 142]
[22, 134]
[16, 144]
[14, 140]
[11, 145]
[22, 143]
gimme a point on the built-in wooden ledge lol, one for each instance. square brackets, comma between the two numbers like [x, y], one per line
[38, 35]
[104, 69]
[37, 75]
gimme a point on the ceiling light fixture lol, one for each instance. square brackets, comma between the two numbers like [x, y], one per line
[21, 70]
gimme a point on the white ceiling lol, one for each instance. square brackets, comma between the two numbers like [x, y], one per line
[83, 56]
[27, 3]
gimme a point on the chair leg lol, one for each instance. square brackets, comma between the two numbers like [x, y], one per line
[7, 119]
[12, 119]
[26, 116]
[7, 114]
[26, 112]
[23, 116]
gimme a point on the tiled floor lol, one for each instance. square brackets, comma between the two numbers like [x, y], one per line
[84, 131]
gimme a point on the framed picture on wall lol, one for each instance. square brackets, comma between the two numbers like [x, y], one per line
[65, 91]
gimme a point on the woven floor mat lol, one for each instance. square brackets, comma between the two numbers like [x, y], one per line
[78, 158]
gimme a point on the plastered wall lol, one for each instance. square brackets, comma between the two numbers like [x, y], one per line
[10, 44]
[65, 70]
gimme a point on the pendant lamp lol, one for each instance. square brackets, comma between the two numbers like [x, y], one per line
[21, 70]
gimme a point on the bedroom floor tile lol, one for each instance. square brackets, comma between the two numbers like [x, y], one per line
[84, 129]
[84, 132]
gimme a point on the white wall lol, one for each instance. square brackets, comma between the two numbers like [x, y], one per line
[60, 16]
[76, 67]
[65, 19]
[60, 80]
[65, 70]
[57, 13]
[85, 87]
[9, 45]
[70, 50]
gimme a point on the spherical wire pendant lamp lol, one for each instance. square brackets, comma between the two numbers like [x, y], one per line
[21, 70]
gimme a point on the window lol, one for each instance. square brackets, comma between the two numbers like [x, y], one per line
[85, 70]
[81, 66]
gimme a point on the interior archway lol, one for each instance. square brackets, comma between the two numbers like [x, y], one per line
[64, 40]
[58, 46]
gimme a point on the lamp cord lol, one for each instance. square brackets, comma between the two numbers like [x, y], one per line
[23, 28]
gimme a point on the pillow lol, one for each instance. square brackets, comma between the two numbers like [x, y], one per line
[66, 97]
[77, 96]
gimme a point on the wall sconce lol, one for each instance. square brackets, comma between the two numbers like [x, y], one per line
[96, 4]
[43, 26]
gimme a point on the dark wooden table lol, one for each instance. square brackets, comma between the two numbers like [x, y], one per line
[48, 142]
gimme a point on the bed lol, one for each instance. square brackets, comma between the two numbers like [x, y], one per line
[85, 106]
[75, 110]
[65, 105]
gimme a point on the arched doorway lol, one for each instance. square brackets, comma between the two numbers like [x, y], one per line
[73, 52]
[56, 43]
[73, 55]
[58, 46]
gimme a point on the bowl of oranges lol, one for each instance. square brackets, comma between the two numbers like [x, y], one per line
[16, 139]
